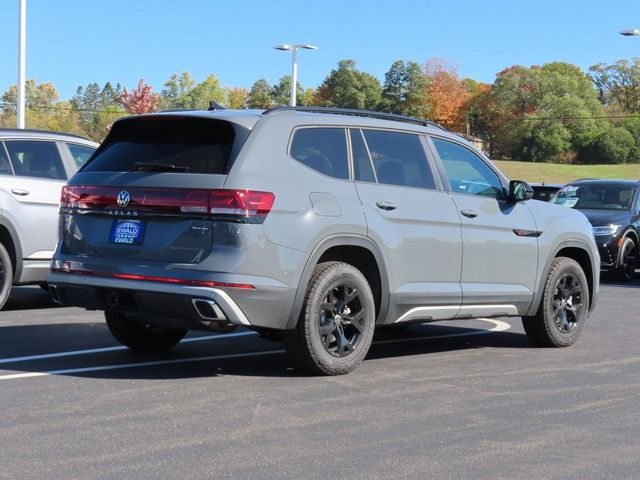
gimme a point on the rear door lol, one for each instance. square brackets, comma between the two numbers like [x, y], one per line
[413, 221]
[500, 238]
[30, 193]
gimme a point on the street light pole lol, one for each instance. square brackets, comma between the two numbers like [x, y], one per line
[294, 66]
[22, 41]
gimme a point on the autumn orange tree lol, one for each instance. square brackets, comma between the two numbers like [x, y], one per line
[447, 95]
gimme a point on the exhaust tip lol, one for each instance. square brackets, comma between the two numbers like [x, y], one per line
[208, 309]
[213, 315]
[55, 294]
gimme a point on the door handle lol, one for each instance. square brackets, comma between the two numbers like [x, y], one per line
[19, 192]
[385, 206]
[469, 213]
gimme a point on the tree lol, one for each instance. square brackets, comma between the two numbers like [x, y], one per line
[204, 92]
[175, 95]
[552, 112]
[43, 111]
[619, 83]
[615, 146]
[260, 95]
[632, 125]
[140, 100]
[236, 97]
[405, 90]
[487, 119]
[281, 92]
[447, 94]
[37, 96]
[97, 108]
[350, 88]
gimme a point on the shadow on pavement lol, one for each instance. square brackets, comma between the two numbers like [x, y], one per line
[247, 355]
[28, 298]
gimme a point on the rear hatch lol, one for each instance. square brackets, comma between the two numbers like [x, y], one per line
[154, 189]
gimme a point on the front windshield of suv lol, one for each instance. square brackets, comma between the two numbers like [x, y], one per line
[595, 196]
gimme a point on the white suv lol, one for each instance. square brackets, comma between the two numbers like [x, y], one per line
[34, 166]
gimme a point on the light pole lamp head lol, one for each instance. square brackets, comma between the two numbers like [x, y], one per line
[295, 46]
[634, 32]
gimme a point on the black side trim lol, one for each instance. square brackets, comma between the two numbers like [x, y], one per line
[527, 233]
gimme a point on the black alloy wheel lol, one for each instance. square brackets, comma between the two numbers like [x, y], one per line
[335, 328]
[567, 303]
[341, 322]
[564, 306]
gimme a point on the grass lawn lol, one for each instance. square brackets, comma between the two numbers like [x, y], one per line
[556, 173]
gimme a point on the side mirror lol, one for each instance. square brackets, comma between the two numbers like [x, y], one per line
[520, 191]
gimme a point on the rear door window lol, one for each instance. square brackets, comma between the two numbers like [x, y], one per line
[398, 159]
[322, 149]
[32, 158]
[166, 144]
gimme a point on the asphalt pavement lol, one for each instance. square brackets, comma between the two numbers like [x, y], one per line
[472, 399]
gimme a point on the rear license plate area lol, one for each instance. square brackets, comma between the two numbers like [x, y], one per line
[127, 232]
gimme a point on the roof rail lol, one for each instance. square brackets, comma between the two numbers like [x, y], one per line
[35, 130]
[357, 113]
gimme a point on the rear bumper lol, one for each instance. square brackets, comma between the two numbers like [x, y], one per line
[33, 271]
[178, 305]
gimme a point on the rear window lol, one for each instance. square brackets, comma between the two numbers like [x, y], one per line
[166, 144]
[322, 149]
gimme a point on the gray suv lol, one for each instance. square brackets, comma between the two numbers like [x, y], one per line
[313, 226]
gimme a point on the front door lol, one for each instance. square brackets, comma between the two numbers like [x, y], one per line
[500, 244]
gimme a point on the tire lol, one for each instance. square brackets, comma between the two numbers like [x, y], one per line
[628, 260]
[142, 337]
[564, 306]
[6, 275]
[335, 328]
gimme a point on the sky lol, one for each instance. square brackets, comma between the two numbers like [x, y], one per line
[71, 43]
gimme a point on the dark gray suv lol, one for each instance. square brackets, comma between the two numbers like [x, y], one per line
[312, 226]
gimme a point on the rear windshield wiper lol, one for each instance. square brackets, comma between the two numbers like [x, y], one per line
[159, 167]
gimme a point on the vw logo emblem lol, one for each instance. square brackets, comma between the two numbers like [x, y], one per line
[123, 198]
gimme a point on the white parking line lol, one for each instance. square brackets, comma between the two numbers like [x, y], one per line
[499, 326]
[74, 353]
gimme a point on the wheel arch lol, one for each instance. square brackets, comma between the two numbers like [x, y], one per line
[580, 253]
[9, 240]
[359, 251]
[631, 233]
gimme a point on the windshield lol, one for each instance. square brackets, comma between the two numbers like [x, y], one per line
[595, 196]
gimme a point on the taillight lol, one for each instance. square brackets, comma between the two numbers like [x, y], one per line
[244, 203]
[240, 205]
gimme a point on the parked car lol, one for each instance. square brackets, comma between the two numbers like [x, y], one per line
[613, 208]
[34, 165]
[544, 191]
[312, 225]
